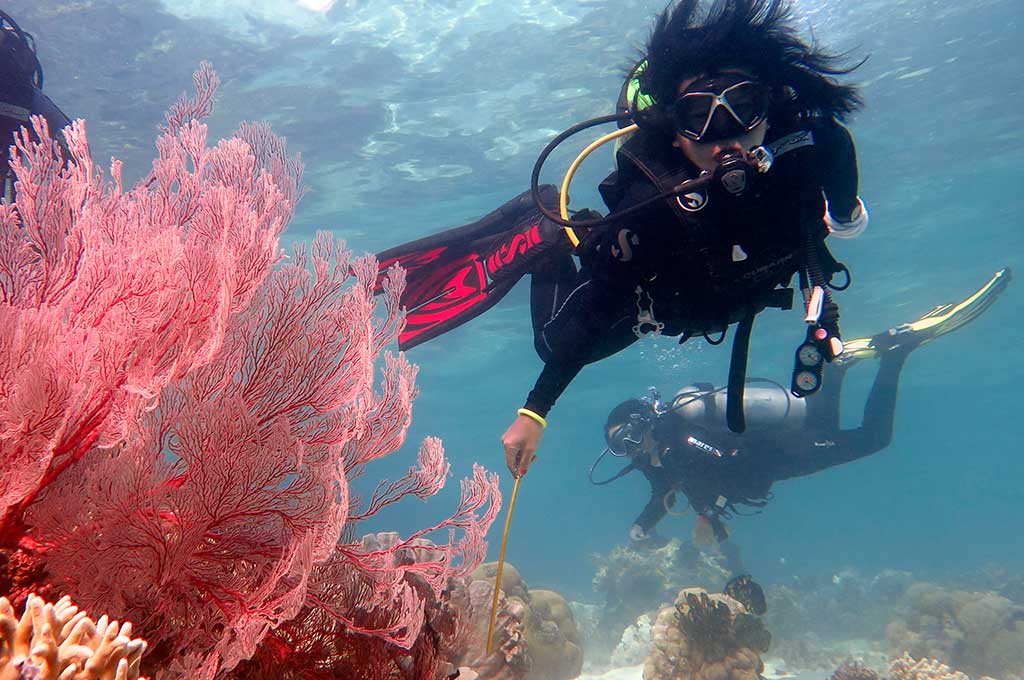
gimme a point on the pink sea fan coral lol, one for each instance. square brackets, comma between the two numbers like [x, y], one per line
[108, 295]
[201, 417]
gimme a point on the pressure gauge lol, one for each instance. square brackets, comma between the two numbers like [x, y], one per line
[809, 355]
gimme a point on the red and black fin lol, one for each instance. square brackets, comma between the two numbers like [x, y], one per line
[458, 274]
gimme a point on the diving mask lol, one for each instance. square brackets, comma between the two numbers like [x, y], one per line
[628, 439]
[720, 107]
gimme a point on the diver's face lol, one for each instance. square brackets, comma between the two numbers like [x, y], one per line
[707, 155]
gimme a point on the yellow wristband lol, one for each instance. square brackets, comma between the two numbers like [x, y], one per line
[536, 416]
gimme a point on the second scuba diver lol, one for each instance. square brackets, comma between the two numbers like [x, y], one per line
[735, 171]
[685, 446]
[21, 95]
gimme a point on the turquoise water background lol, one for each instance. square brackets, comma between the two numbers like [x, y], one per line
[416, 116]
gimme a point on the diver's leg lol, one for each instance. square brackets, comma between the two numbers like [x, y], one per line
[823, 407]
[818, 448]
[875, 432]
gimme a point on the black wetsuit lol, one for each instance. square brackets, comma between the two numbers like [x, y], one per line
[721, 469]
[696, 267]
[14, 115]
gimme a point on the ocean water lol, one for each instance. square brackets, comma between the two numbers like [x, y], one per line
[420, 115]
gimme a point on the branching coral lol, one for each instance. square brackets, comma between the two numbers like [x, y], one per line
[706, 636]
[908, 668]
[632, 582]
[59, 642]
[854, 670]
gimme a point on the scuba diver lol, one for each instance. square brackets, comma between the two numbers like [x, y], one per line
[685, 446]
[732, 168]
[21, 95]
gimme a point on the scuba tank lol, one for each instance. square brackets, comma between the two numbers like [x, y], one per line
[766, 405]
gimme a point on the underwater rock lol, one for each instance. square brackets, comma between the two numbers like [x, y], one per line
[706, 636]
[981, 633]
[632, 582]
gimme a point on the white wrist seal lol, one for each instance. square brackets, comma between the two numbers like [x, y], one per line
[851, 228]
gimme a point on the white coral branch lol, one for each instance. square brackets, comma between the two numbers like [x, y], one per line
[59, 642]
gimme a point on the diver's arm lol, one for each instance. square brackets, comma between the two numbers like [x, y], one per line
[655, 510]
[553, 380]
[846, 215]
[522, 439]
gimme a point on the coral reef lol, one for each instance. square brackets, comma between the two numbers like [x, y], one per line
[908, 668]
[536, 637]
[635, 643]
[318, 643]
[845, 604]
[848, 610]
[552, 637]
[630, 582]
[852, 669]
[509, 658]
[706, 636]
[58, 641]
[981, 633]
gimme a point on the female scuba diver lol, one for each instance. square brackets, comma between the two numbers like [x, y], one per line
[735, 169]
[685, 445]
[21, 94]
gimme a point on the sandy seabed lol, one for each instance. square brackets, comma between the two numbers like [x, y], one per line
[637, 673]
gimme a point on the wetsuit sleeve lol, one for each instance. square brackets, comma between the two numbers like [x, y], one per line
[839, 177]
[655, 508]
[591, 322]
[44, 106]
[557, 374]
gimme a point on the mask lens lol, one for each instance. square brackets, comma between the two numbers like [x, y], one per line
[691, 112]
[748, 103]
[626, 440]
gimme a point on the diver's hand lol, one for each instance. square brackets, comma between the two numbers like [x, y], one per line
[645, 540]
[521, 441]
[637, 534]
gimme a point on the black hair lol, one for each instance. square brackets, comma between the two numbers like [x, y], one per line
[757, 36]
[620, 415]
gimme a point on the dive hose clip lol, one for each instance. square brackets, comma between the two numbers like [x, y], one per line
[645, 317]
